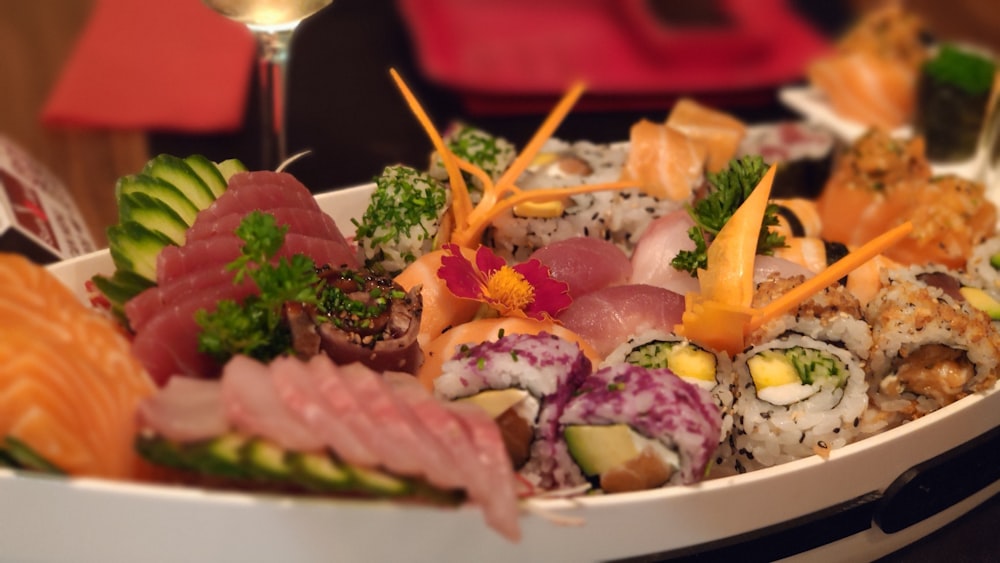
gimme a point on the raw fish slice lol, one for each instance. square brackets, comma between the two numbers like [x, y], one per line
[298, 388]
[252, 406]
[301, 221]
[249, 191]
[445, 426]
[186, 409]
[608, 317]
[659, 244]
[664, 162]
[215, 282]
[175, 262]
[585, 263]
[868, 89]
[401, 426]
[167, 344]
[500, 507]
[394, 449]
[54, 351]
[337, 395]
[720, 132]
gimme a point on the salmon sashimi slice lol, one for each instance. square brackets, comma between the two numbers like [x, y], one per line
[865, 88]
[69, 384]
[719, 131]
[663, 161]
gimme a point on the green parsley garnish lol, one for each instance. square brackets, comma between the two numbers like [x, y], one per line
[728, 189]
[254, 327]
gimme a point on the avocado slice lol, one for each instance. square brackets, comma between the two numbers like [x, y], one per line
[496, 401]
[983, 301]
[597, 449]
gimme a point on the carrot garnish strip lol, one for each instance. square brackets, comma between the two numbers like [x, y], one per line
[715, 317]
[830, 275]
[729, 276]
[476, 222]
[461, 203]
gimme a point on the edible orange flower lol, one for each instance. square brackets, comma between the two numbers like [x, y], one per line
[525, 290]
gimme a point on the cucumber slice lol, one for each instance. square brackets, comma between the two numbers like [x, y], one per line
[175, 171]
[160, 451]
[135, 248]
[318, 472]
[267, 460]
[161, 190]
[378, 482]
[208, 172]
[153, 214]
[27, 458]
[229, 167]
[221, 456]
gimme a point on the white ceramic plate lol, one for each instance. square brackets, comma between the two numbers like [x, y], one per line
[47, 519]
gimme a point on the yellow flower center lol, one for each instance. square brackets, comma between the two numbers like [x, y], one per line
[508, 289]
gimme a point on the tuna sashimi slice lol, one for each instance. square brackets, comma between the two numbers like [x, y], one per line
[252, 406]
[298, 388]
[249, 191]
[213, 282]
[608, 317]
[312, 222]
[585, 263]
[185, 410]
[175, 262]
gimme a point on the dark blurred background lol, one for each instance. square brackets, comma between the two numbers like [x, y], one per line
[344, 107]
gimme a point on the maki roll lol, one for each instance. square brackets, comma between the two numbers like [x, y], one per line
[524, 382]
[833, 315]
[796, 396]
[631, 428]
[707, 369]
[931, 347]
[361, 317]
[492, 154]
[953, 93]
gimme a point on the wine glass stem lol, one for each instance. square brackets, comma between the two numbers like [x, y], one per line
[272, 61]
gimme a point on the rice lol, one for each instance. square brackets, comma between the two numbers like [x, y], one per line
[549, 368]
[930, 347]
[619, 216]
[767, 434]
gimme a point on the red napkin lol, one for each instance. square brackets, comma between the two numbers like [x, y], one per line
[156, 64]
[512, 48]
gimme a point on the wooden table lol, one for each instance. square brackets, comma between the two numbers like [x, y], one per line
[35, 39]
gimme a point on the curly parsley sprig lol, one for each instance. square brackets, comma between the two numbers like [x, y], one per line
[254, 327]
[728, 189]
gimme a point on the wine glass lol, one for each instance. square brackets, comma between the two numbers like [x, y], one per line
[272, 23]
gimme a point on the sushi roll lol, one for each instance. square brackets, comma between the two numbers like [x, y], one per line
[796, 396]
[618, 216]
[707, 369]
[953, 93]
[803, 151]
[524, 382]
[931, 347]
[631, 428]
[833, 315]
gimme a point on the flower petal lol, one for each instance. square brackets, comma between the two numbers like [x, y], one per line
[488, 262]
[460, 275]
[551, 295]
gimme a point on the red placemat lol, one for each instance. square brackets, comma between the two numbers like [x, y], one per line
[516, 52]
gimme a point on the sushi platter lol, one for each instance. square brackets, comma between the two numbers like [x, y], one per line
[864, 500]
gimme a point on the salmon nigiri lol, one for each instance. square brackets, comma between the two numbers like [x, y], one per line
[663, 161]
[69, 385]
